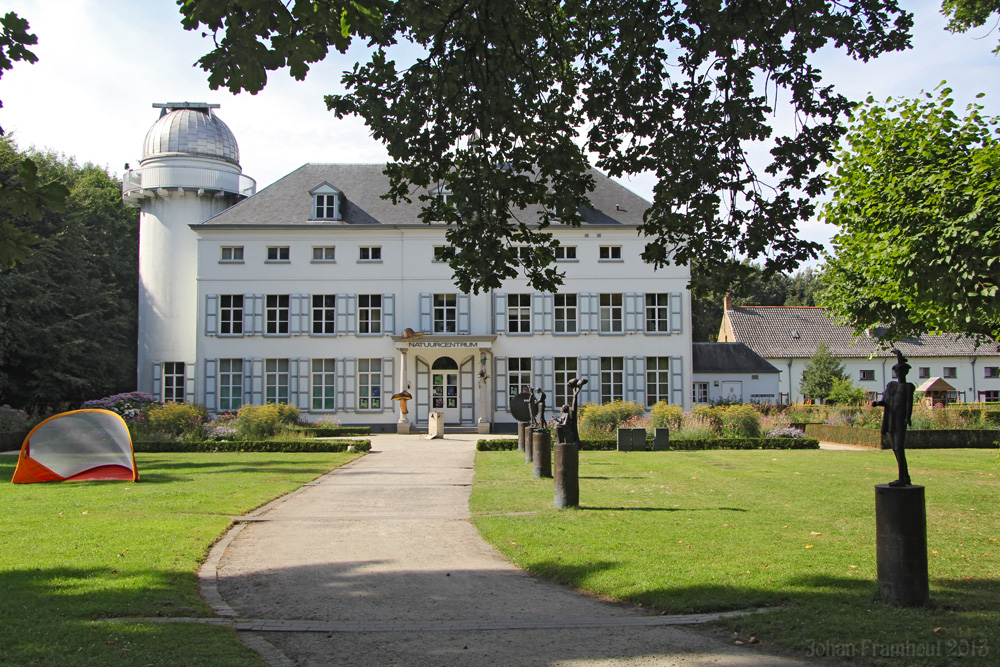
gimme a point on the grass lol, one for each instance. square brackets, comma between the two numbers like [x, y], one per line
[75, 553]
[706, 531]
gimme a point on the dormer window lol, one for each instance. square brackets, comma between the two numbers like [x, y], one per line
[326, 202]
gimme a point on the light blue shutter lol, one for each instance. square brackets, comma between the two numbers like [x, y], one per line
[467, 381]
[347, 378]
[346, 309]
[425, 312]
[676, 318]
[677, 380]
[589, 313]
[423, 391]
[541, 313]
[500, 375]
[189, 382]
[635, 379]
[299, 381]
[299, 306]
[499, 313]
[635, 320]
[158, 380]
[463, 314]
[590, 368]
[388, 314]
[210, 384]
[256, 382]
[387, 384]
[543, 375]
[211, 314]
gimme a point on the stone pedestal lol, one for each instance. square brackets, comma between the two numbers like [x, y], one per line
[435, 425]
[901, 544]
[566, 477]
[403, 427]
[542, 455]
[661, 439]
[484, 427]
[522, 429]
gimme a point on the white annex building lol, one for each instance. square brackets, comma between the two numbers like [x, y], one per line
[315, 291]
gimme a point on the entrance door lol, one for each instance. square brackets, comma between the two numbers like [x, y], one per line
[445, 394]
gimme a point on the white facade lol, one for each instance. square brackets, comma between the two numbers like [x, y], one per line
[317, 292]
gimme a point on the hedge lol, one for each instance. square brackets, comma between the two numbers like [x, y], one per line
[675, 445]
[252, 446]
[334, 431]
[915, 438]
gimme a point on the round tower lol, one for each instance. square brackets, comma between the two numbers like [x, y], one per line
[189, 172]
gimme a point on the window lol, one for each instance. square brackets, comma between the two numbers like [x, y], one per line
[230, 314]
[658, 313]
[991, 372]
[991, 396]
[949, 372]
[611, 313]
[610, 253]
[324, 388]
[276, 314]
[230, 384]
[370, 253]
[369, 384]
[277, 253]
[326, 253]
[924, 372]
[612, 379]
[700, 392]
[327, 207]
[445, 313]
[565, 368]
[523, 254]
[233, 253]
[444, 197]
[518, 374]
[276, 380]
[369, 314]
[443, 253]
[657, 380]
[519, 313]
[173, 382]
[324, 314]
[867, 376]
[566, 253]
[565, 307]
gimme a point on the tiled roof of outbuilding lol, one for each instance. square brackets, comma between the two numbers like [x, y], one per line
[287, 201]
[728, 358]
[794, 331]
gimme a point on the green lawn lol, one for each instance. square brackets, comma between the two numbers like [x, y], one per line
[717, 530]
[72, 554]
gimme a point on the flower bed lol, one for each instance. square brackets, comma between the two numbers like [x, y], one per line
[915, 438]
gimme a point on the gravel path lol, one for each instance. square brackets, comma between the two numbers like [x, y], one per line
[377, 563]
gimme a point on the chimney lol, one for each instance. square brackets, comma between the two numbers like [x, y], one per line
[727, 304]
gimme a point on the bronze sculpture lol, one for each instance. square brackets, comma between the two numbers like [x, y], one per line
[898, 404]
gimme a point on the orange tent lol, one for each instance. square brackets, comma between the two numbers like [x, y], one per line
[77, 445]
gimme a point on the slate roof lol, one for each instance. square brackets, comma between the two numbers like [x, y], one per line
[794, 331]
[728, 358]
[287, 201]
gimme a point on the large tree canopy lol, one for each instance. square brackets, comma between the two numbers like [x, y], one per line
[503, 103]
[964, 15]
[917, 198]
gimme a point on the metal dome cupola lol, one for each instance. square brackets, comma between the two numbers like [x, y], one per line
[190, 128]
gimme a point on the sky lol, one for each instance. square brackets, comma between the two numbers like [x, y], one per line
[103, 63]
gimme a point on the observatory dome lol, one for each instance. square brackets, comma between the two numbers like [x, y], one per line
[190, 129]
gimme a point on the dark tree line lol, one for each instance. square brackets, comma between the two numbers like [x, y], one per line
[68, 311]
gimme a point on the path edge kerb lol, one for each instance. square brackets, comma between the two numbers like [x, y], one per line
[208, 573]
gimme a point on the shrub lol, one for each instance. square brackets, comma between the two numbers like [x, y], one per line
[693, 425]
[177, 419]
[785, 432]
[258, 422]
[12, 419]
[666, 415]
[288, 414]
[844, 392]
[254, 446]
[129, 405]
[609, 415]
[740, 421]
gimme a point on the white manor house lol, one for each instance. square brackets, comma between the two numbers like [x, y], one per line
[317, 292]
